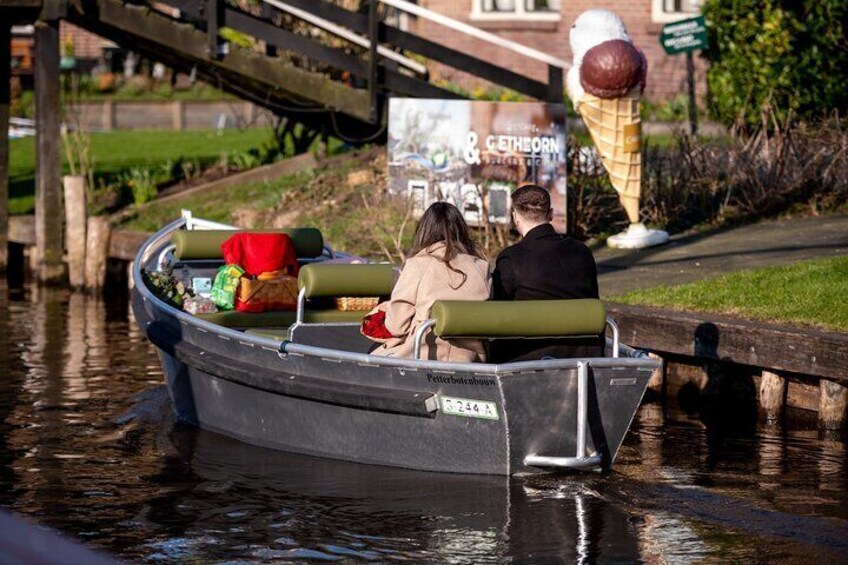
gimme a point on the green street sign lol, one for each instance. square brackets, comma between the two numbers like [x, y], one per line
[685, 35]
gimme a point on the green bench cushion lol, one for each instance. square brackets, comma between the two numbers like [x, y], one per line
[234, 319]
[206, 244]
[520, 318]
[322, 280]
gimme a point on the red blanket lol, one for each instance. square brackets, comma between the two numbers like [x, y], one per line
[259, 253]
[375, 326]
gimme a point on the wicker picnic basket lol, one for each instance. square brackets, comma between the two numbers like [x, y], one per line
[356, 303]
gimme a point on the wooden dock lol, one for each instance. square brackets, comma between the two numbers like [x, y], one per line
[788, 366]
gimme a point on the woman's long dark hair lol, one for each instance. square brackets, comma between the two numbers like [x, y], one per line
[443, 223]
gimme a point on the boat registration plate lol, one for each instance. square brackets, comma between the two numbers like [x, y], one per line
[469, 408]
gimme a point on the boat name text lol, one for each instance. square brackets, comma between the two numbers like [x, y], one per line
[451, 380]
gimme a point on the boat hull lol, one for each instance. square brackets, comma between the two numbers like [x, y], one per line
[432, 416]
[348, 410]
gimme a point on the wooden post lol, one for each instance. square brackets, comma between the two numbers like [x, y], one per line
[5, 96]
[177, 115]
[75, 220]
[213, 20]
[97, 252]
[373, 62]
[48, 163]
[658, 376]
[555, 84]
[772, 395]
[130, 267]
[690, 79]
[833, 404]
[108, 119]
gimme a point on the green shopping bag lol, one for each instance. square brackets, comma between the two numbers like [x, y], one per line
[225, 287]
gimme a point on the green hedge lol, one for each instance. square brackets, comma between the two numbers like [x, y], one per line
[783, 55]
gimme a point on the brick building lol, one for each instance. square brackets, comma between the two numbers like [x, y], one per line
[86, 44]
[544, 25]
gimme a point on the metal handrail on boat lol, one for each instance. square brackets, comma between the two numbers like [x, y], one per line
[301, 306]
[580, 459]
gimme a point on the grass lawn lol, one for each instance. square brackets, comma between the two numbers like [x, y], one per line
[808, 293]
[118, 151]
[216, 205]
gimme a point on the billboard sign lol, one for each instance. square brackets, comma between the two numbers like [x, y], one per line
[475, 153]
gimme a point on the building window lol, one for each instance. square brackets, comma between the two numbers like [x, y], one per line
[532, 10]
[665, 11]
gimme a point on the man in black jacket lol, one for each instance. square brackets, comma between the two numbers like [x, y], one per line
[544, 265]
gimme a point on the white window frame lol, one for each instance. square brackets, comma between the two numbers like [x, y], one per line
[520, 14]
[660, 16]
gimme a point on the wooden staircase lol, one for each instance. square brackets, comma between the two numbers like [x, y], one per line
[309, 69]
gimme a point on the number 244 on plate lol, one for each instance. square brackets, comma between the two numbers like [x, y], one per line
[469, 408]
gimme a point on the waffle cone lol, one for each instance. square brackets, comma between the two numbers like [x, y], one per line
[616, 126]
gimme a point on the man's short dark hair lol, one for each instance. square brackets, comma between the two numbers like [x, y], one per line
[533, 203]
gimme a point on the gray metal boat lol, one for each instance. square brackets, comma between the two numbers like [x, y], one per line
[303, 381]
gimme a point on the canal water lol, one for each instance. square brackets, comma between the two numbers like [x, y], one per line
[88, 447]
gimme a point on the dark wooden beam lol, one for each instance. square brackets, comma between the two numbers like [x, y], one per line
[5, 94]
[122, 22]
[555, 84]
[48, 163]
[466, 63]
[21, 4]
[53, 10]
[281, 38]
[214, 9]
[355, 21]
[460, 60]
[398, 83]
[806, 351]
[373, 60]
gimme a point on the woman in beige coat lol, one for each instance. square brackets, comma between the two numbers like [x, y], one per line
[444, 264]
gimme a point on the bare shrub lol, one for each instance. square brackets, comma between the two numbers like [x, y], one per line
[390, 226]
[784, 166]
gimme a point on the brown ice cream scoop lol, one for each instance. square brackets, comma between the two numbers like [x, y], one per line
[611, 69]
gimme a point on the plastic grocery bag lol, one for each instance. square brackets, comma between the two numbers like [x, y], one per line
[225, 287]
[199, 305]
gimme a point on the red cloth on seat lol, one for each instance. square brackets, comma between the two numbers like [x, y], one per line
[259, 253]
[375, 326]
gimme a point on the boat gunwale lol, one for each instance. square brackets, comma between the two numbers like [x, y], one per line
[632, 358]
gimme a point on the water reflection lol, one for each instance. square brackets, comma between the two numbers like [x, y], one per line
[220, 485]
[87, 445]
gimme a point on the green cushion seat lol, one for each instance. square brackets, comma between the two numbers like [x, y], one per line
[520, 318]
[206, 244]
[283, 319]
[337, 279]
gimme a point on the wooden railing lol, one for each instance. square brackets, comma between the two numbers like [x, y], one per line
[386, 66]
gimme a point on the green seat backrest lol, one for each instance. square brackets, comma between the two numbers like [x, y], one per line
[520, 318]
[206, 244]
[336, 279]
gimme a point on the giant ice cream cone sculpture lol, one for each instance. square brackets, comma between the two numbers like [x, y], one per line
[615, 126]
[605, 84]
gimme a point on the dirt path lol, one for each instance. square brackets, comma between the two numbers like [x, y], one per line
[693, 257]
